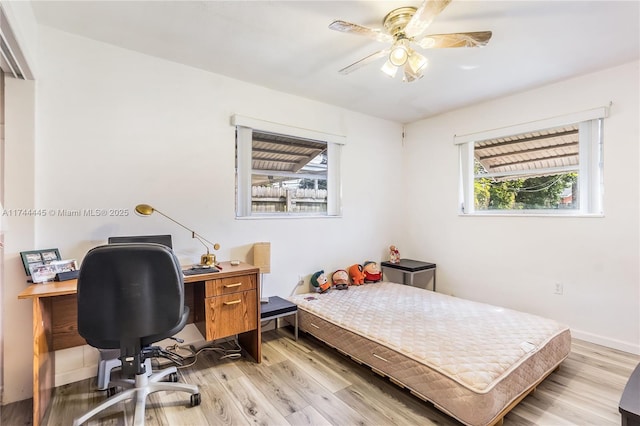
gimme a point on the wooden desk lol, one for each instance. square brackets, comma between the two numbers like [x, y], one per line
[222, 304]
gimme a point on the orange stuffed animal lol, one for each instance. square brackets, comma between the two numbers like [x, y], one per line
[356, 275]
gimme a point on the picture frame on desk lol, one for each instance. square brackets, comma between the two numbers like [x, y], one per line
[42, 273]
[57, 270]
[38, 256]
[33, 258]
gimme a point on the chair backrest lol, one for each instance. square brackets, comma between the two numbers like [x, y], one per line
[165, 239]
[129, 293]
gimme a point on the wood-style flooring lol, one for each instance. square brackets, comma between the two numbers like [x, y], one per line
[308, 383]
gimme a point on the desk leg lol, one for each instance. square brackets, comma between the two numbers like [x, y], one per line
[251, 341]
[43, 358]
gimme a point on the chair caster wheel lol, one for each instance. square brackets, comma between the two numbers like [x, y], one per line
[195, 399]
[173, 377]
[111, 391]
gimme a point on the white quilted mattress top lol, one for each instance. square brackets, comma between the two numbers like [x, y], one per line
[473, 343]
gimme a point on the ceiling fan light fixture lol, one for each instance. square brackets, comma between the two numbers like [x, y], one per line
[404, 27]
[409, 75]
[417, 62]
[399, 52]
[389, 69]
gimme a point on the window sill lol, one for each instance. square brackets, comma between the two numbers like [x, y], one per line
[515, 214]
[284, 216]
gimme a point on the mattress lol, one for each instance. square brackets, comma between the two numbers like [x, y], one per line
[473, 361]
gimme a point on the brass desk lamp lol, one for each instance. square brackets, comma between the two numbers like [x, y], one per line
[206, 259]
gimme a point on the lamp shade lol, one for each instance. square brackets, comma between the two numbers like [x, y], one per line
[389, 69]
[144, 209]
[417, 62]
[262, 256]
[399, 52]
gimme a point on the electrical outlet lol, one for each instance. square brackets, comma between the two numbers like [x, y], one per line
[300, 280]
[559, 288]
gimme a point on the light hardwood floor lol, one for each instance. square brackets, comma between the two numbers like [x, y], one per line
[306, 382]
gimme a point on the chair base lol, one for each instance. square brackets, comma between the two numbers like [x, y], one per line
[108, 361]
[104, 371]
[143, 386]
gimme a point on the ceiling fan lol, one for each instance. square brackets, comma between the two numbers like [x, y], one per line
[404, 27]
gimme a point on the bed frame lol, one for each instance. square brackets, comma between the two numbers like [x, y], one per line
[434, 387]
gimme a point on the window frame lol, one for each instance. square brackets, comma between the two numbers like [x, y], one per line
[590, 168]
[244, 170]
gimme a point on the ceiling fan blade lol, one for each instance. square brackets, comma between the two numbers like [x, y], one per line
[436, 41]
[364, 61]
[348, 27]
[424, 16]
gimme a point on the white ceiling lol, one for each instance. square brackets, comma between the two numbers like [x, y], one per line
[286, 45]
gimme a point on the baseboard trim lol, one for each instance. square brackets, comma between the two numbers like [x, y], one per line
[606, 341]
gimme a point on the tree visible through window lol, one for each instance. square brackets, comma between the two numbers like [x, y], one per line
[543, 169]
[557, 191]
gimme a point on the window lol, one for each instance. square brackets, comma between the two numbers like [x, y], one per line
[548, 167]
[285, 174]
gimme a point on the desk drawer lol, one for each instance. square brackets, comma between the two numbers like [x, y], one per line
[230, 285]
[231, 314]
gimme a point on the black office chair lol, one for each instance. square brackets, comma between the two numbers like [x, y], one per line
[130, 296]
[109, 358]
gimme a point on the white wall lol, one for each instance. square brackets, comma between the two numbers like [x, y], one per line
[516, 261]
[115, 128]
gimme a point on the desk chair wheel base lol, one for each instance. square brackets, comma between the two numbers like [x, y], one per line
[143, 386]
